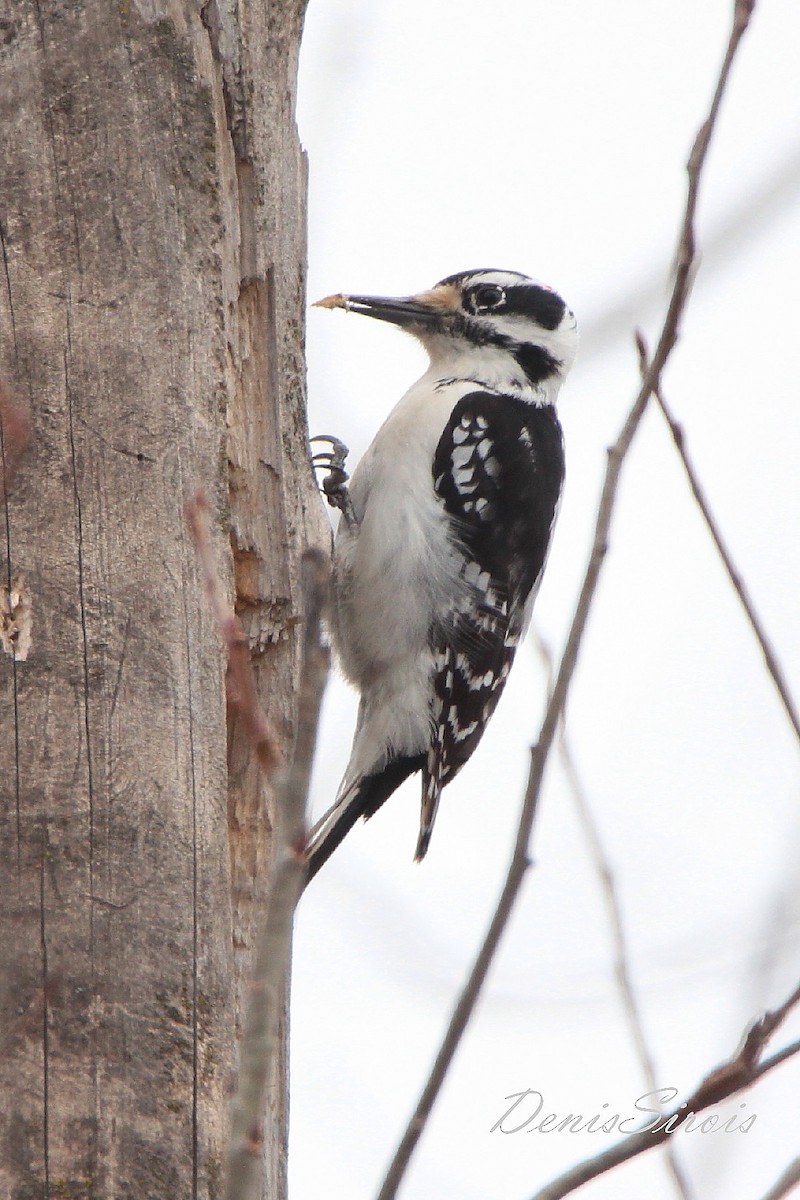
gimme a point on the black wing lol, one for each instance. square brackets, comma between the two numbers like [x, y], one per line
[499, 470]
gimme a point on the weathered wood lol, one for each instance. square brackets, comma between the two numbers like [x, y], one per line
[151, 298]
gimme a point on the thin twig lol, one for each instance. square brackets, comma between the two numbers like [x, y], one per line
[770, 659]
[746, 216]
[786, 1182]
[608, 888]
[539, 753]
[259, 1051]
[463, 1009]
[259, 1047]
[740, 1071]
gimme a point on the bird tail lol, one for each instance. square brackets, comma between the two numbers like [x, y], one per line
[431, 794]
[361, 798]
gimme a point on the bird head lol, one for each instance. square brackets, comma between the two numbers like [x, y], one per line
[497, 326]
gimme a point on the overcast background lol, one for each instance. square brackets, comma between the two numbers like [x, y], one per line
[551, 139]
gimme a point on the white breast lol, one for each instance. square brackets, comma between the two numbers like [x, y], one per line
[400, 568]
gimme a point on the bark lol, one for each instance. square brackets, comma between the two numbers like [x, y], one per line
[151, 297]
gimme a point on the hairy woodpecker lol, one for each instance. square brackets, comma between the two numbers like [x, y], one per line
[444, 533]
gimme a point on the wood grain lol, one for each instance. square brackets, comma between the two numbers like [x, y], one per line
[152, 198]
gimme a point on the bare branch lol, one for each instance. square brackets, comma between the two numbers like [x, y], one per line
[260, 1042]
[786, 1182]
[462, 1011]
[259, 1048]
[740, 1071]
[608, 888]
[539, 753]
[747, 215]
[770, 658]
[315, 575]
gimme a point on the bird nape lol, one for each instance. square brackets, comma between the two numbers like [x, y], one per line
[444, 533]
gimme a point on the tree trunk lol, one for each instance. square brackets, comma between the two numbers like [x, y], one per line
[151, 299]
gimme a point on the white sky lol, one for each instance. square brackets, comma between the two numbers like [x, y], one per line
[551, 139]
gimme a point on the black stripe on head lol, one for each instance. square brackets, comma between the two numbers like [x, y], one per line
[524, 299]
[536, 363]
[544, 307]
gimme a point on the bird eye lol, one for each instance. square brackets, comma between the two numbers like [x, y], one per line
[486, 298]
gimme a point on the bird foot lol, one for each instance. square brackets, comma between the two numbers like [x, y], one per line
[334, 485]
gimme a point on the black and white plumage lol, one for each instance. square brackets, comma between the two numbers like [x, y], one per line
[445, 533]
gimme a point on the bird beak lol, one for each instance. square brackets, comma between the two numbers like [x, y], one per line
[424, 309]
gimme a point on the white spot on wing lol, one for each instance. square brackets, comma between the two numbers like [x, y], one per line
[461, 455]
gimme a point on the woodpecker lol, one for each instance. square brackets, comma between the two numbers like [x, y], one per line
[444, 532]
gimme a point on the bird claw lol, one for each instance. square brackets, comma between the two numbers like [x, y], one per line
[334, 485]
[332, 461]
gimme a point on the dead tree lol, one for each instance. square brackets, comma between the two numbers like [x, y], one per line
[152, 215]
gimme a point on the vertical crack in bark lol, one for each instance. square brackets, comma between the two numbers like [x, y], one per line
[63, 221]
[52, 139]
[195, 1047]
[84, 622]
[44, 838]
[224, 38]
[7, 273]
[95, 1066]
[17, 770]
[118, 681]
[49, 111]
[14, 676]
[45, 1013]
[187, 646]
[195, 931]
[9, 565]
